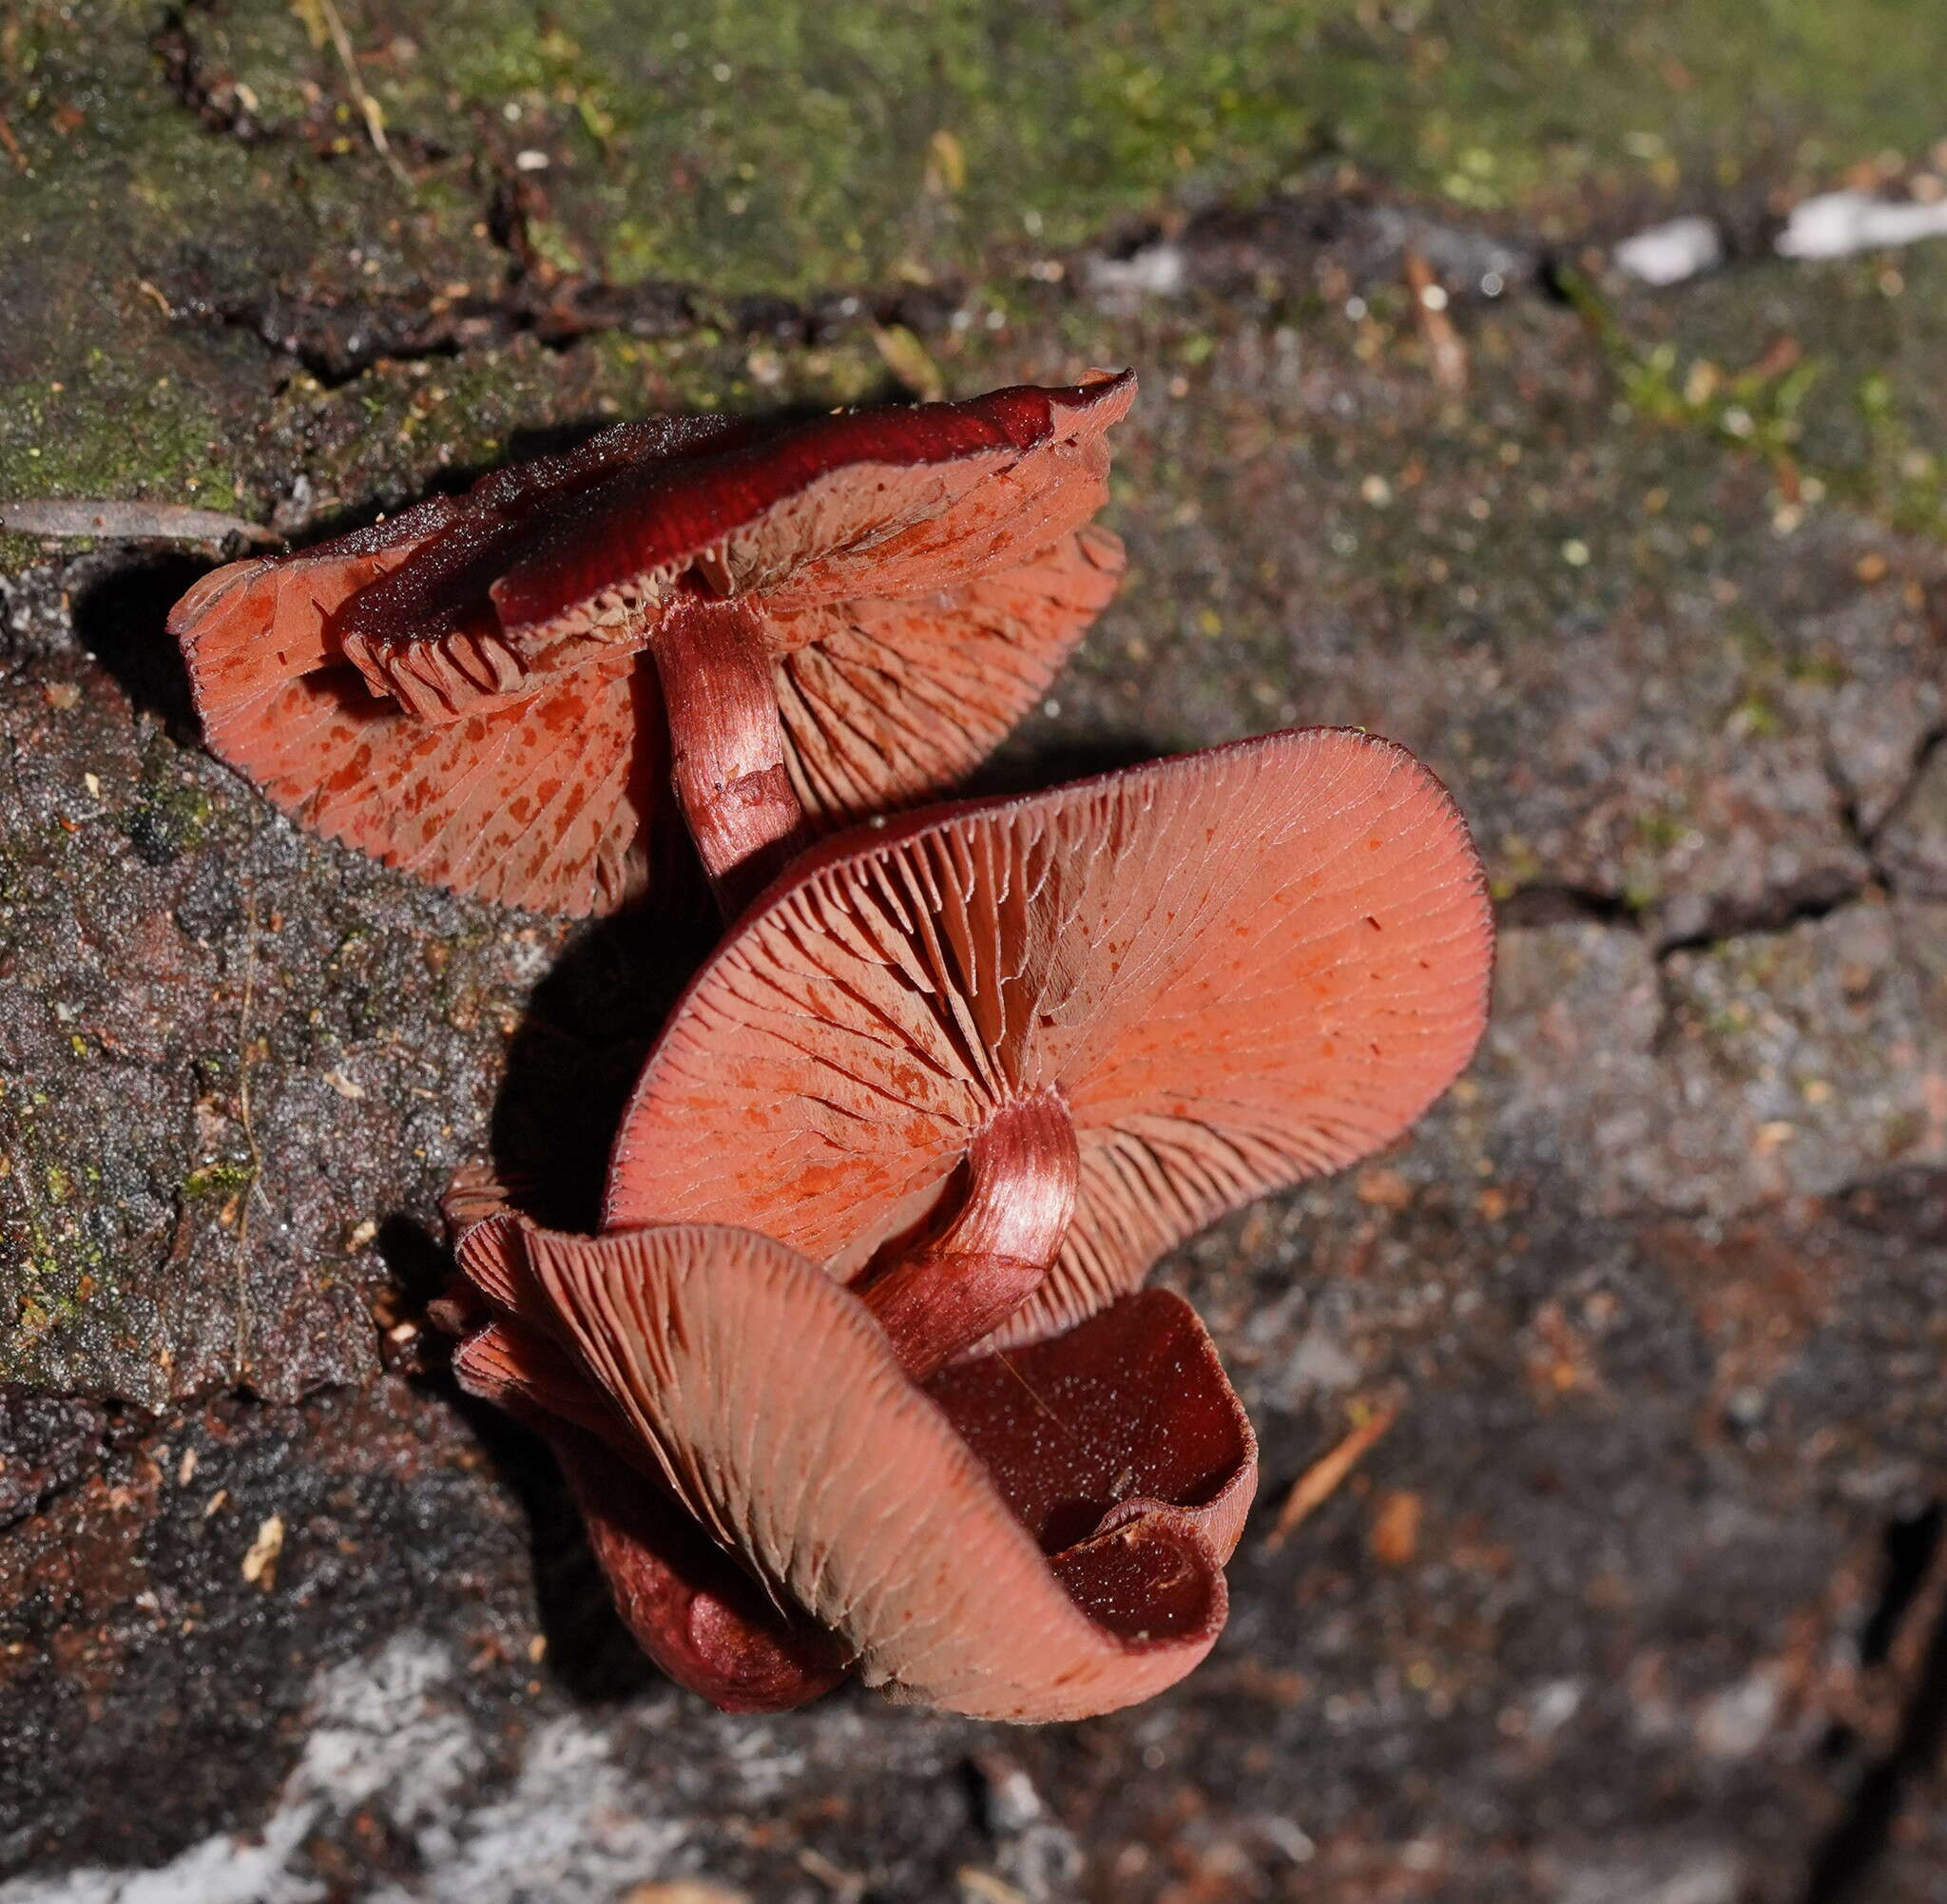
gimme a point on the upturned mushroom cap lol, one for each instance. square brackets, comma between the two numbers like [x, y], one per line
[851, 505]
[1237, 968]
[965, 1555]
[708, 1623]
[458, 692]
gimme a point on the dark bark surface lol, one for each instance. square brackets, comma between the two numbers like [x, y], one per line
[1642, 1597]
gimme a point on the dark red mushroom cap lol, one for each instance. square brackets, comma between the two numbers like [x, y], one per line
[963, 1552]
[1235, 969]
[855, 506]
[911, 580]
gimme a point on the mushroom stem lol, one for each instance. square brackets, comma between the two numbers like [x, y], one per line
[727, 744]
[944, 1295]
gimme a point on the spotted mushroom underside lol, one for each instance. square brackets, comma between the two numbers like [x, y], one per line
[1230, 971]
[792, 627]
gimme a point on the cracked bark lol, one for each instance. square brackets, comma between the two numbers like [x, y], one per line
[1544, 903]
[337, 341]
[1908, 849]
[1619, 1461]
[1905, 1642]
[1775, 910]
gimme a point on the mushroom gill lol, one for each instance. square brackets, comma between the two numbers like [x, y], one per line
[1227, 971]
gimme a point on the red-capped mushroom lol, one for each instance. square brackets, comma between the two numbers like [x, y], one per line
[840, 617]
[961, 1078]
[1037, 1537]
[1063, 1032]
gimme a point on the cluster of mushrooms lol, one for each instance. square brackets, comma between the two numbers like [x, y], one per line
[860, 1374]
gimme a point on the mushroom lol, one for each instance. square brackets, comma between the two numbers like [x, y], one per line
[842, 616]
[892, 1177]
[1033, 1537]
[1045, 1039]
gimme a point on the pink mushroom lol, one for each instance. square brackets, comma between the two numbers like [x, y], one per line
[1174, 988]
[866, 1307]
[800, 626]
[949, 1547]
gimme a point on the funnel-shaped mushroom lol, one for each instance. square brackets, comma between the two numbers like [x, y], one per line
[1039, 1537]
[1043, 1040]
[800, 627]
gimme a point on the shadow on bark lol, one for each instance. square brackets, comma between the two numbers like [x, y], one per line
[1851, 1857]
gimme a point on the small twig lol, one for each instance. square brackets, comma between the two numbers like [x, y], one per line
[1444, 350]
[1324, 1477]
[256, 1189]
[12, 144]
[369, 108]
[909, 360]
[842, 1883]
[128, 522]
[17, 1172]
[983, 1885]
[1007, 1362]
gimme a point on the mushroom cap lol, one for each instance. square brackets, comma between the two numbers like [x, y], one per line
[446, 586]
[551, 563]
[1238, 967]
[455, 692]
[852, 507]
[691, 1605]
[774, 1408]
[1131, 1405]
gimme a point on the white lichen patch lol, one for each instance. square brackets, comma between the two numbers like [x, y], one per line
[388, 1739]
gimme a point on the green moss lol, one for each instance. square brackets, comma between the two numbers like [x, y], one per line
[782, 142]
[218, 1180]
[1660, 831]
[1754, 718]
[1642, 888]
[1728, 1023]
[1869, 457]
[49, 1262]
[98, 432]
[781, 146]
[170, 816]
